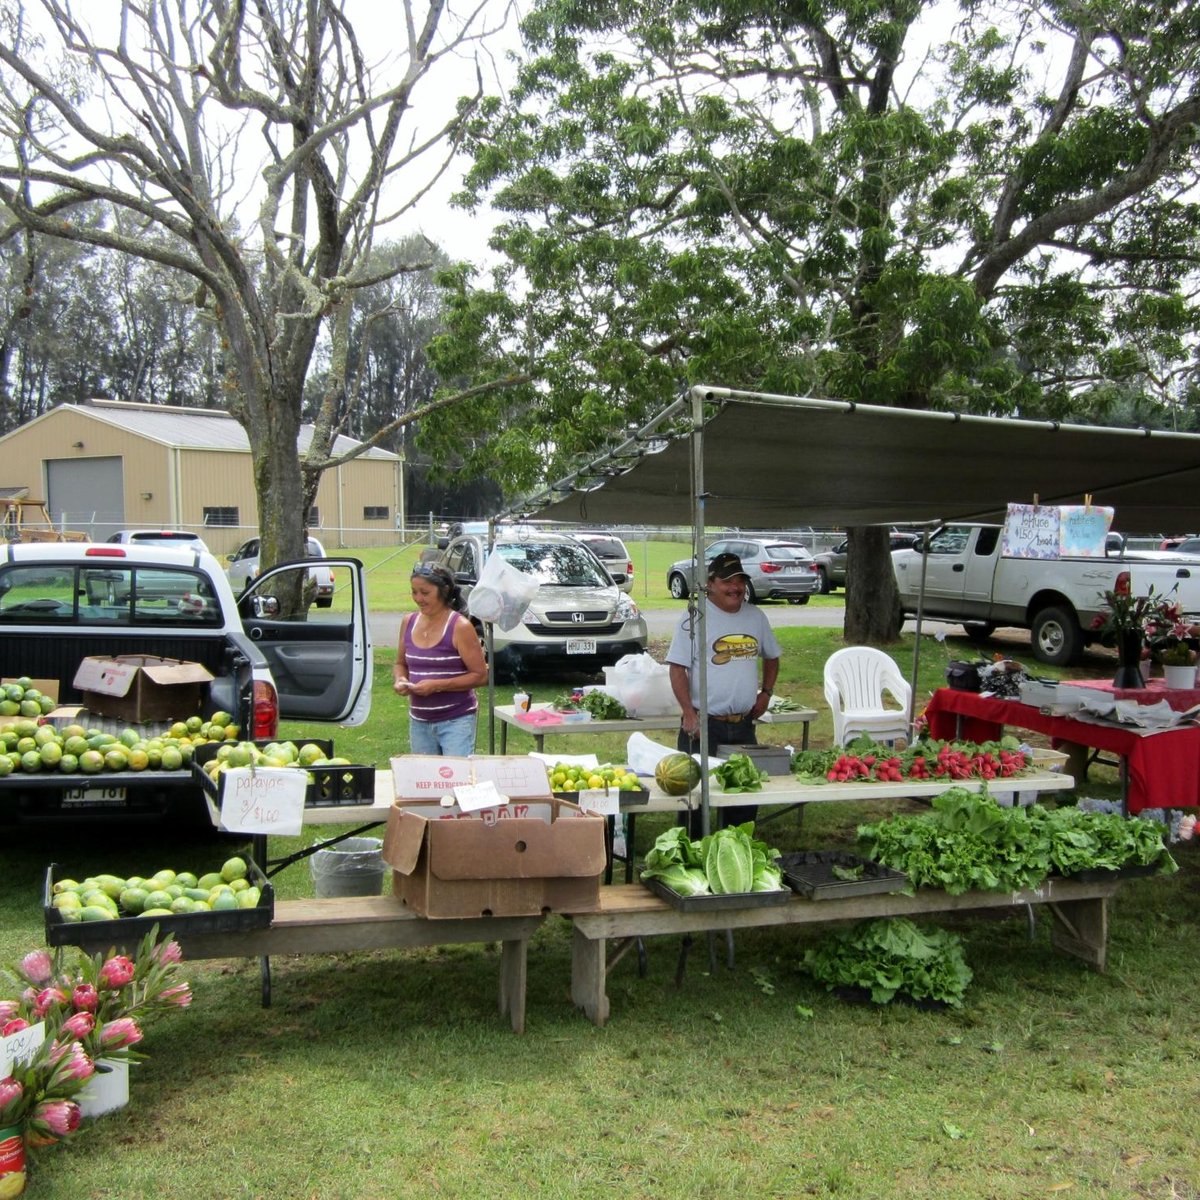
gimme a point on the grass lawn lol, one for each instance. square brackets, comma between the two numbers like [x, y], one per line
[393, 1075]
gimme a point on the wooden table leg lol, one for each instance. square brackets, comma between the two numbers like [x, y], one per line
[588, 976]
[514, 957]
[1081, 930]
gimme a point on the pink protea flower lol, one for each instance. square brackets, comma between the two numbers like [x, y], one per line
[78, 1025]
[123, 1031]
[13, 1026]
[167, 952]
[84, 998]
[116, 972]
[46, 999]
[179, 995]
[9, 1009]
[72, 1063]
[55, 1117]
[10, 1090]
[37, 966]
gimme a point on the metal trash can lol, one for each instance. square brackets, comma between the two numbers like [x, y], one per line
[354, 867]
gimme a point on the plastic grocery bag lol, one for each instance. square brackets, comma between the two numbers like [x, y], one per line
[502, 594]
[642, 685]
[643, 755]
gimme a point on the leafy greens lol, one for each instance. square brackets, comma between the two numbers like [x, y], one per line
[722, 863]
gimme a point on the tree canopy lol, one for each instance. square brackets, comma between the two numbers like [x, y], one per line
[257, 150]
[988, 206]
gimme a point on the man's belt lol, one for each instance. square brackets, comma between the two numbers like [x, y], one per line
[729, 718]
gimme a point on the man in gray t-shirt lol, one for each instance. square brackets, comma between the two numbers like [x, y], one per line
[737, 636]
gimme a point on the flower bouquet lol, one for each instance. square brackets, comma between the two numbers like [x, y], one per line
[76, 1015]
[1131, 623]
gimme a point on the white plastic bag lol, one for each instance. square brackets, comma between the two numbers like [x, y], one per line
[502, 593]
[642, 685]
[643, 755]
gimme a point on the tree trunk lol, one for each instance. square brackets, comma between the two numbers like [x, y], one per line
[872, 603]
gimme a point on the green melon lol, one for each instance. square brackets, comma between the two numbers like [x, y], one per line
[677, 774]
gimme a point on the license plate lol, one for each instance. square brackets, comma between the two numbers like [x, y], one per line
[581, 645]
[94, 797]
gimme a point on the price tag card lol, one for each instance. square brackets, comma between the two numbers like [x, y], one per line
[17, 1047]
[1030, 531]
[263, 800]
[598, 800]
[473, 796]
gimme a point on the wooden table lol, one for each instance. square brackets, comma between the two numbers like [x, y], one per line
[630, 912]
[508, 716]
[344, 924]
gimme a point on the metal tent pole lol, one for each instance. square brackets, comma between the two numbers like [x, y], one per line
[700, 625]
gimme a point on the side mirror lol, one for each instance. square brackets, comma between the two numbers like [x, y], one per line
[443, 542]
[265, 606]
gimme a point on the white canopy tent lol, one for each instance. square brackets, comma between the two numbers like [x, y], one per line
[735, 458]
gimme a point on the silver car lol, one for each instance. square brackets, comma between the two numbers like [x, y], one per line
[243, 567]
[578, 621]
[779, 569]
[611, 551]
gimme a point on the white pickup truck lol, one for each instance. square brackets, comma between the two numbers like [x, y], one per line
[967, 580]
[270, 653]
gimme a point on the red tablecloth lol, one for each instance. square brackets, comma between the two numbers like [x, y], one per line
[1163, 768]
[1155, 692]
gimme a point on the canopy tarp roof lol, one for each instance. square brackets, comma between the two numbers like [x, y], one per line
[775, 461]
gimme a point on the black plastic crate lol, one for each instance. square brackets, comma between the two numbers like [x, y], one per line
[714, 901]
[328, 787]
[127, 931]
[813, 873]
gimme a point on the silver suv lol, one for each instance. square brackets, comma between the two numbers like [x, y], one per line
[611, 551]
[243, 567]
[578, 621]
[779, 569]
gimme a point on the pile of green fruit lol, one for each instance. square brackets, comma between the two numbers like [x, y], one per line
[566, 777]
[75, 749]
[22, 699]
[274, 754]
[166, 893]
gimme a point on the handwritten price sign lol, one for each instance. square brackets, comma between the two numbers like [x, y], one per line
[17, 1047]
[263, 800]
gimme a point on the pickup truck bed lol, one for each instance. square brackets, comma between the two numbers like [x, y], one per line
[60, 604]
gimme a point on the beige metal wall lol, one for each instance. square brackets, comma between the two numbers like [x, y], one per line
[170, 487]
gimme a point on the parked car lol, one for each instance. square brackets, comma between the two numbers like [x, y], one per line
[611, 551]
[243, 567]
[1190, 545]
[177, 539]
[578, 621]
[831, 564]
[778, 569]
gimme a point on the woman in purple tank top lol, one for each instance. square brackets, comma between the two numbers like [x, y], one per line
[439, 664]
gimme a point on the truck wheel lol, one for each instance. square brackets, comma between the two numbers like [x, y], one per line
[825, 588]
[677, 586]
[979, 631]
[1057, 638]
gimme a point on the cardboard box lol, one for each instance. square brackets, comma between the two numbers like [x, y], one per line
[142, 687]
[534, 855]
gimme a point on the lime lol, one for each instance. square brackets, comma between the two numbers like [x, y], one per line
[133, 899]
[194, 724]
[31, 761]
[139, 760]
[5, 765]
[171, 758]
[218, 718]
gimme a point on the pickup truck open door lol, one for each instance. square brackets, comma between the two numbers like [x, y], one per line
[321, 658]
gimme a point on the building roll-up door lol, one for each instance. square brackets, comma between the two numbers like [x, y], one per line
[86, 494]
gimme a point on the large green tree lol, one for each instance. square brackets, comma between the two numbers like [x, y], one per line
[255, 148]
[987, 206]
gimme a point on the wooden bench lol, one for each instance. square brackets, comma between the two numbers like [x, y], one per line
[340, 925]
[629, 912]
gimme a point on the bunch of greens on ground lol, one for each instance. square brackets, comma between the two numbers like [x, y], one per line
[727, 861]
[891, 956]
[968, 842]
[738, 773]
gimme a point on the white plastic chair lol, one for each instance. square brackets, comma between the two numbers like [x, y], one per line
[857, 682]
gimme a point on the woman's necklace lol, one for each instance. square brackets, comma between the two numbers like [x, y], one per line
[423, 630]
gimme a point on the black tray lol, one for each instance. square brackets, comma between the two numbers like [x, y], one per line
[328, 786]
[1106, 874]
[127, 931]
[713, 901]
[628, 798]
[810, 872]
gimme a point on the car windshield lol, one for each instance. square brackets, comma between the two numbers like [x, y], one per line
[564, 564]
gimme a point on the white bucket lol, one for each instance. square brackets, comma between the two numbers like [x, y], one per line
[108, 1088]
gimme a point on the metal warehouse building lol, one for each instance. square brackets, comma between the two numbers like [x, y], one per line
[106, 465]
